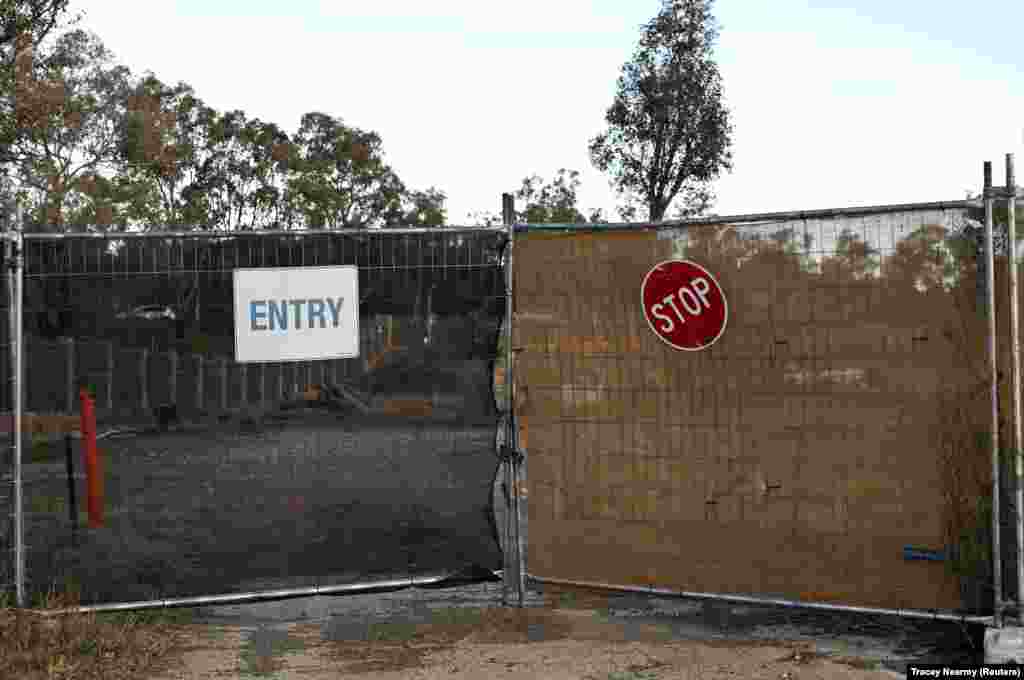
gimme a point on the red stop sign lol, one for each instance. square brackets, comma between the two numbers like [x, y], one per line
[684, 305]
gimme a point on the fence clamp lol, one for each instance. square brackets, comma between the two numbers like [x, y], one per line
[508, 453]
[11, 262]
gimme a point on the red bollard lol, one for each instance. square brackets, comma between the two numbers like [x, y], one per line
[93, 476]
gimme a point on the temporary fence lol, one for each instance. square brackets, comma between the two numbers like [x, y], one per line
[227, 477]
[828, 450]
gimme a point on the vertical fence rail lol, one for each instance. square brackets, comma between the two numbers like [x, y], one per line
[17, 346]
[993, 357]
[1011, 230]
[515, 574]
[8, 558]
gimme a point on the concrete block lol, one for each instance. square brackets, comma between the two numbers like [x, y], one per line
[1004, 645]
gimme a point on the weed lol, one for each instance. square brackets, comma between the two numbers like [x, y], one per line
[86, 646]
[390, 632]
[632, 675]
[149, 617]
[46, 504]
[40, 450]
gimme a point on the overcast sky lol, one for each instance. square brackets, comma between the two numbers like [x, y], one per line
[890, 102]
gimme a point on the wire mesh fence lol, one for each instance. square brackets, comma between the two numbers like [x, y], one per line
[221, 476]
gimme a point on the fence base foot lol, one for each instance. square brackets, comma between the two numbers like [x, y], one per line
[1004, 645]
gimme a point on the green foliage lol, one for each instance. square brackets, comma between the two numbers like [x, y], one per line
[632, 675]
[668, 132]
[32, 18]
[24, 24]
[421, 209]
[341, 178]
[69, 105]
[551, 203]
[92, 146]
[53, 505]
[40, 450]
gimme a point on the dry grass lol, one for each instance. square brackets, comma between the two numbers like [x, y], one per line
[85, 646]
[396, 646]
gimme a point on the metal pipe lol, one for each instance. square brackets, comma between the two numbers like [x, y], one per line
[10, 245]
[757, 217]
[517, 477]
[744, 599]
[359, 588]
[713, 219]
[58, 236]
[993, 358]
[510, 576]
[1011, 230]
[17, 348]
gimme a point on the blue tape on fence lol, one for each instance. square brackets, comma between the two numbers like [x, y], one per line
[912, 553]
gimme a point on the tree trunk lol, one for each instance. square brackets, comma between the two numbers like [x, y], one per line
[656, 211]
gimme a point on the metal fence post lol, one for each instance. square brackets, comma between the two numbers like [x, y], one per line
[993, 357]
[1011, 230]
[17, 281]
[517, 579]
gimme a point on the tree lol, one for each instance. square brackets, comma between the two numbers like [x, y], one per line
[421, 209]
[166, 147]
[29, 19]
[341, 179]
[484, 218]
[260, 168]
[242, 173]
[24, 24]
[554, 202]
[551, 203]
[668, 131]
[68, 123]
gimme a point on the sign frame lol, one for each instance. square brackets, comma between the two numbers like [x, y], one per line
[352, 272]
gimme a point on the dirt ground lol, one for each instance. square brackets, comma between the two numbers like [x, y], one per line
[556, 644]
[233, 508]
[560, 634]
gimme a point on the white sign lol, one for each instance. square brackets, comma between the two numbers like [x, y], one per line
[296, 313]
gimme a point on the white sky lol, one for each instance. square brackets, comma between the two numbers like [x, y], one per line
[892, 102]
